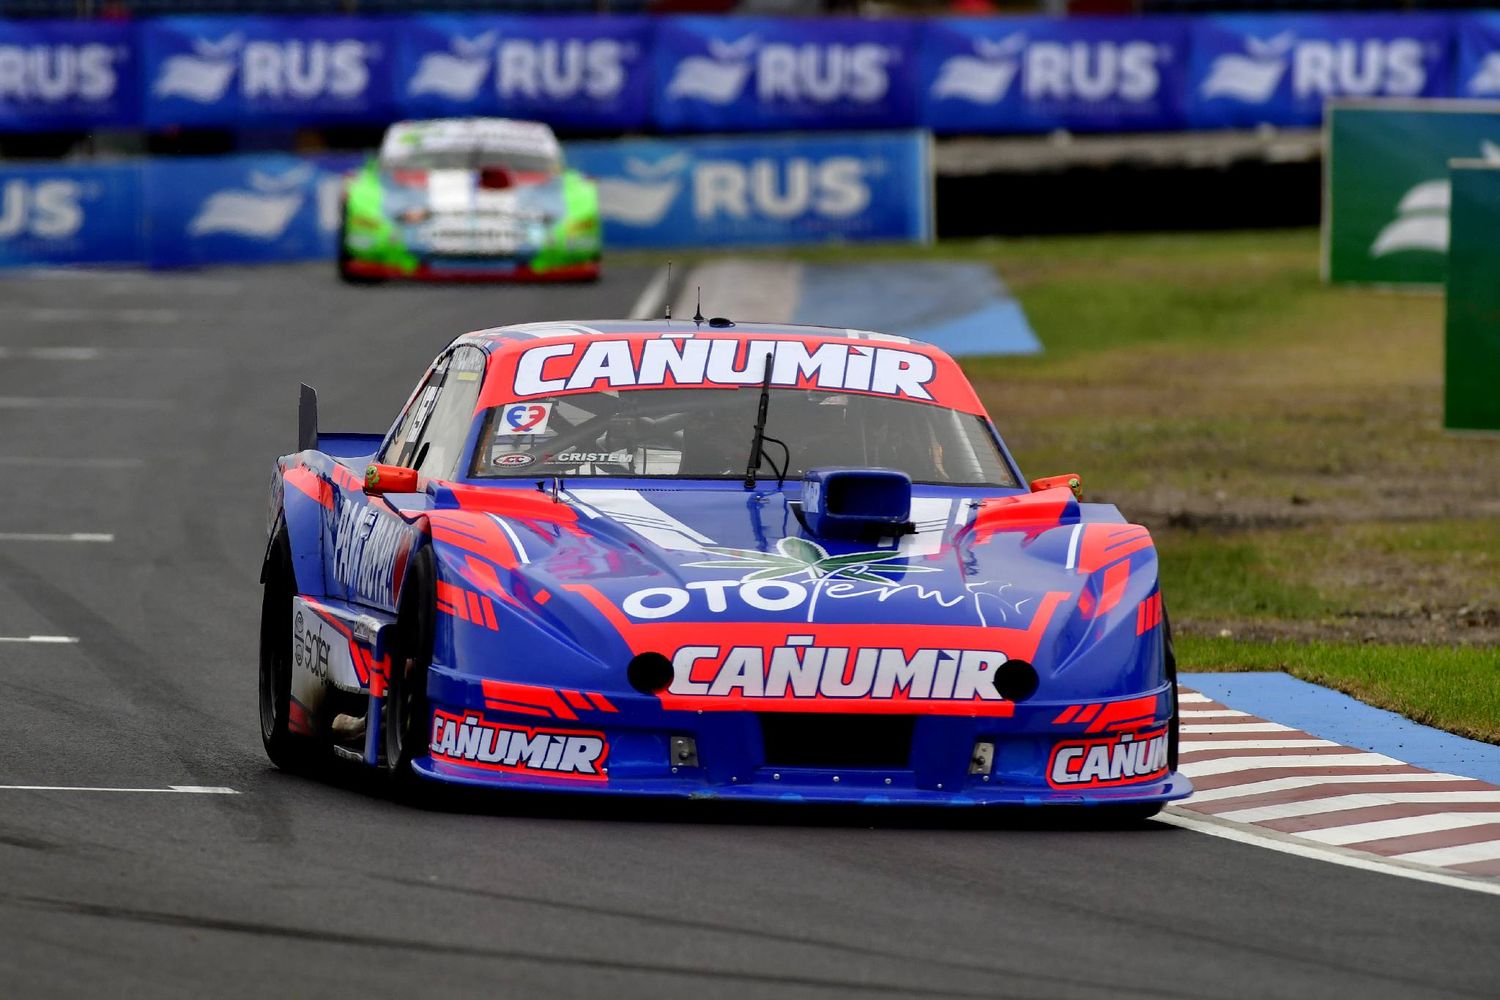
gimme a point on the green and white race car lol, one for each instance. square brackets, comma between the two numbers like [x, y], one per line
[469, 199]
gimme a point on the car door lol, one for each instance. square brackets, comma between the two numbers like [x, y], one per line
[368, 543]
[372, 543]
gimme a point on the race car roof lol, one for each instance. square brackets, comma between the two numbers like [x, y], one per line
[464, 135]
[548, 359]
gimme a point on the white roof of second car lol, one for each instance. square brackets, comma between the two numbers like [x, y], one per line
[499, 135]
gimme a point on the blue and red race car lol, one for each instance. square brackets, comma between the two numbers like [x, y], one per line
[695, 558]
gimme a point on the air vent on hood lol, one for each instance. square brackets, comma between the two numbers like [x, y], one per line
[856, 503]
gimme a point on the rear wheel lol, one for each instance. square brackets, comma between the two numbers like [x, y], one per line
[407, 719]
[287, 750]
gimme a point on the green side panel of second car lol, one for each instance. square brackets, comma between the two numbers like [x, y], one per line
[368, 233]
[576, 238]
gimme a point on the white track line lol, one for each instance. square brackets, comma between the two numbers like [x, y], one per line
[1192, 698]
[1339, 803]
[1188, 746]
[105, 316]
[1243, 727]
[1282, 784]
[57, 462]
[38, 536]
[653, 298]
[1459, 854]
[1215, 713]
[1225, 765]
[81, 403]
[57, 639]
[1257, 837]
[178, 789]
[1406, 826]
[52, 353]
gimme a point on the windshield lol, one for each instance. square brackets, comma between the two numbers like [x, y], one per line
[520, 161]
[706, 434]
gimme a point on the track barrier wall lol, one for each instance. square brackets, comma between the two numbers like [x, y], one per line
[1471, 384]
[254, 208]
[1386, 204]
[705, 74]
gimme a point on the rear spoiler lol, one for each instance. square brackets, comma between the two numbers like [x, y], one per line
[354, 450]
[307, 419]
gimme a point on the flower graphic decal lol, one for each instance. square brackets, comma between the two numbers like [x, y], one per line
[796, 557]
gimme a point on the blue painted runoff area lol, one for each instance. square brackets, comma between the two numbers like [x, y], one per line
[963, 308]
[1333, 716]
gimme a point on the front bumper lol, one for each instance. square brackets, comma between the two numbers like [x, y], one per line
[473, 270]
[855, 788]
[583, 742]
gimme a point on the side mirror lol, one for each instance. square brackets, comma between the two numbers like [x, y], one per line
[382, 479]
[1070, 480]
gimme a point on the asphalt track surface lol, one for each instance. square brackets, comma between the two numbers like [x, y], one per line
[168, 426]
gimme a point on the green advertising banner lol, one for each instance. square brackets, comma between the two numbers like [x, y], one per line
[1471, 380]
[1385, 200]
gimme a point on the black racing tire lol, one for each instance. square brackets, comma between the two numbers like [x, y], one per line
[1137, 813]
[1124, 816]
[1169, 656]
[406, 721]
[287, 750]
[346, 275]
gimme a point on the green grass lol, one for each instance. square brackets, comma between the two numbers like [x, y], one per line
[1281, 438]
[1457, 689]
[1207, 576]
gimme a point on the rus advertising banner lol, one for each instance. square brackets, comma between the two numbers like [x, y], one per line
[576, 72]
[243, 209]
[762, 189]
[1248, 69]
[1386, 206]
[1037, 74]
[748, 73]
[70, 215]
[231, 71]
[1478, 71]
[64, 74]
[1472, 342]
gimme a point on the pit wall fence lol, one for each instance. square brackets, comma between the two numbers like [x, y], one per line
[674, 75]
[168, 212]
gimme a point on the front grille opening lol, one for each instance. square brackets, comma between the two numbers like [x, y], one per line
[806, 739]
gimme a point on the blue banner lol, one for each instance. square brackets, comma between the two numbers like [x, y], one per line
[1037, 74]
[58, 75]
[243, 209]
[70, 215]
[574, 72]
[745, 73]
[990, 75]
[762, 189]
[1478, 56]
[231, 71]
[1252, 68]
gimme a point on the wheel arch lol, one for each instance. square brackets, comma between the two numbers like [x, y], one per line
[299, 512]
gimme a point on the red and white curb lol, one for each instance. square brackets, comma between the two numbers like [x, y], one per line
[1261, 782]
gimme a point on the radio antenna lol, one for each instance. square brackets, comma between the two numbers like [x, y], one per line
[669, 290]
[698, 315]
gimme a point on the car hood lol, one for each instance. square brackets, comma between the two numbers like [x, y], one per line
[656, 568]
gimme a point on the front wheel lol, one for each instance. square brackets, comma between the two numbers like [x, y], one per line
[346, 272]
[1169, 657]
[287, 750]
[407, 718]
